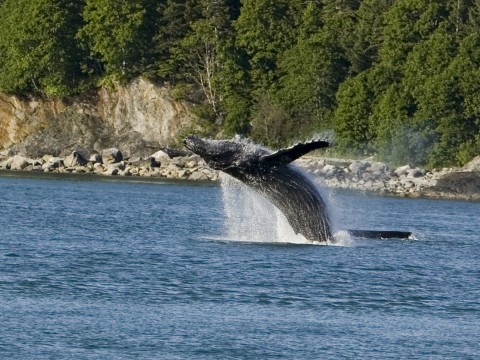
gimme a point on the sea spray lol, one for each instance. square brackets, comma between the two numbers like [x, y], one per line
[251, 217]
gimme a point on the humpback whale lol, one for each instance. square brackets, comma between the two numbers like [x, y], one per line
[272, 175]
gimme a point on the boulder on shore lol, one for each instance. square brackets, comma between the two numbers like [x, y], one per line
[18, 162]
[473, 165]
[111, 156]
[74, 159]
[52, 163]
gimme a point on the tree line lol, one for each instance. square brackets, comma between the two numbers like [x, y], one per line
[399, 79]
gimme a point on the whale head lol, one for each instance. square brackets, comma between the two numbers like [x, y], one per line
[218, 154]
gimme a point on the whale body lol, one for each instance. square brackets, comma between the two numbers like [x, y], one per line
[272, 175]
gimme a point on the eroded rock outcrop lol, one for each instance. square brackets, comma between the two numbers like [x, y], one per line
[136, 118]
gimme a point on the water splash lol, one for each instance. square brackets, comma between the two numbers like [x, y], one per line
[342, 238]
[252, 218]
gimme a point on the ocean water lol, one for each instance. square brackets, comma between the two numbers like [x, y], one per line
[95, 268]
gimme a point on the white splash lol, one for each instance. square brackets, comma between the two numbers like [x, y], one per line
[342, 238]
[250, 217]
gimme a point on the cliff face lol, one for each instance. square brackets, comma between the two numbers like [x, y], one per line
[136, 118]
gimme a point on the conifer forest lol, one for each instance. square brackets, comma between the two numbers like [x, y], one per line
[396, 79]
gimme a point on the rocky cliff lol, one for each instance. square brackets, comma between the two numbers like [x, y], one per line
[138, 118]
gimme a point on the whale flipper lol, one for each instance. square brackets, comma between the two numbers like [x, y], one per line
[287, 155]
[380, 234]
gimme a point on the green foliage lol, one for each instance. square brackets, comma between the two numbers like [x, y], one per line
[175, 17]
[468, 150]
[407, 23]
[271, 124]
[264, 31]
[233, 82]
[368, 34]
[422, 113]
[356, 120]
[395, 79]
[112, 31]
[312, 70]
[38, 49]
[237, 120]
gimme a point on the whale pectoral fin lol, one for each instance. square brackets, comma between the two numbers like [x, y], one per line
[286, 156]
[379, 234]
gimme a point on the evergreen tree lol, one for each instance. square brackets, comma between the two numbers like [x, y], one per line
[38, 49]
[407, 23]
[114, 31]
[175, 17]
[426, 96]
[264, 31]
[234, 87]
[398, 79]
[368, 34]
[313, 70]
[200, 51]
[355, 123]
[459, 131]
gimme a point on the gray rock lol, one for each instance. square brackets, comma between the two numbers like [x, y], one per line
[95, 158]
[174, 153]
[120, 166]
[356, 167]
[111, 170]
[111, 156]
[147, 163]
[378, 174]
[45, 157]
[74, 159]
[408, 184]
[460, 182]
[367, 176]
[98, 168]
[198, 175]
[160, 156]
[415, 173]
[18, 162]
[378, 167]
[473, 165]
[402, 170]
[53, 163]
[330, 170]
[125, 172]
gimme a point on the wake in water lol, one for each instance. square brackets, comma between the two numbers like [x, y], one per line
[250, 217]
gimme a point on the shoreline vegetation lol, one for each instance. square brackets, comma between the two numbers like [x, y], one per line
[393, 79]
[367, 176]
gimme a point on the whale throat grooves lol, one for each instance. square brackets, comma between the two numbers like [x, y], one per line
[295, 196]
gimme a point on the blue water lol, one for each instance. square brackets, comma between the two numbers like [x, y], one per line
[96, 269]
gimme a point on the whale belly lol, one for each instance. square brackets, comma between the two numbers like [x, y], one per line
[295, 196]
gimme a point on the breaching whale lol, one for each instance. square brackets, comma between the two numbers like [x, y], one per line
[272, 175]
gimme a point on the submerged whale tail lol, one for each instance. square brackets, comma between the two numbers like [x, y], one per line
[379, 234]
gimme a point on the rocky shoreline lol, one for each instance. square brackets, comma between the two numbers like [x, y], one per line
[361, 175]
[169, 164]
[405, 181]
